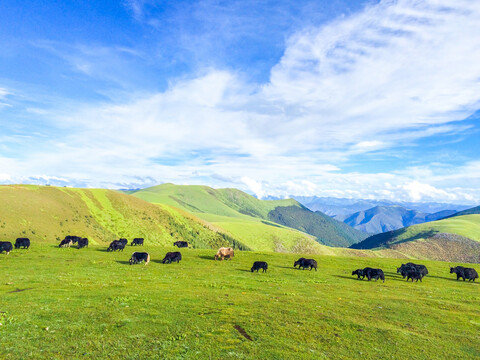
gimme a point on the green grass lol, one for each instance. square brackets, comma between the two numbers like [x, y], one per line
[68, 304]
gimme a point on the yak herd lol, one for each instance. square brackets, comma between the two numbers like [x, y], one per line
[410, 271]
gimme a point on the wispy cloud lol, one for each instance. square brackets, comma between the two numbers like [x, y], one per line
[3, 95]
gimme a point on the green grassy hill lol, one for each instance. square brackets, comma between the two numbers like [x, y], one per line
[90, 304]
[244, 215]
[48, 214]
[456, 238]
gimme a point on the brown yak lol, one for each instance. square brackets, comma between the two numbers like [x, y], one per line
[224, 252]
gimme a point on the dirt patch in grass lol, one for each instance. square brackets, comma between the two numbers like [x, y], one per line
[18, 290]
[243, 332]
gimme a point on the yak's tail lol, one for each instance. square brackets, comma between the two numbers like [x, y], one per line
[148, 259]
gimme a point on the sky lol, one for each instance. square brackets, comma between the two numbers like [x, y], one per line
[342, 98]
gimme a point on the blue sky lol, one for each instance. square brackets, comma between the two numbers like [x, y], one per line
[363, 99]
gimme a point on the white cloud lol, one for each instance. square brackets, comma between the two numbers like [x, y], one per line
[417, 191]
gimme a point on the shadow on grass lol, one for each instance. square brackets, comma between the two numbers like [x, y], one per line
[391, 273]
[123, 262]
[357, 279]
[347, 277]
[398, 278]
[287, 267]
[441, 277]
[161, 262]
[206, 257]
[244, 270]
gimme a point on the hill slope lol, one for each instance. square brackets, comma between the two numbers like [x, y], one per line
[451, 239]
[48, 214]
[225, 207]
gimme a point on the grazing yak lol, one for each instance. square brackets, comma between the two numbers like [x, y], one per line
[116, 245]
[65, 243]
[5, 246]
[298, 262]
[469, 274]
[375, 274]
[22, 243]
[359, 273]
[137, 241]
[172, 257]
[414, 274]
[83, 242]
[306, 263]
[224, 252]
[257, 265]
[73, 238]
[123, 241]
[370, 273]
[404, 269]
[138, 257]
[180, 244]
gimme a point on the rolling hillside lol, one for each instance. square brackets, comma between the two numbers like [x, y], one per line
[451, 239]
[241, 214]
[48, 214]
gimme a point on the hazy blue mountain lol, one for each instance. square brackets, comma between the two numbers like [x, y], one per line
[474, 210]
[384, 218]
[387, 218]
[441, 215]
[341, 208]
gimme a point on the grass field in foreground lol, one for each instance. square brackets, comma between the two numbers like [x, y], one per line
[68, 303]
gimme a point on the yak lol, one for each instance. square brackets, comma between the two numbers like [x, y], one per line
[172, 257]
[257, 265]
[224, 252]
[138, 257]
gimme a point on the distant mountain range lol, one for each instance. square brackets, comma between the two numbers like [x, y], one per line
[386, 218]
[341, 208]
[377, 216]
